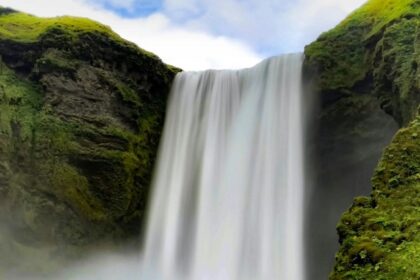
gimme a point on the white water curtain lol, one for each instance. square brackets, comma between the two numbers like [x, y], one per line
[227, 201]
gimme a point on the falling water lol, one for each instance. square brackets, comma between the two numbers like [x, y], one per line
[227, 201]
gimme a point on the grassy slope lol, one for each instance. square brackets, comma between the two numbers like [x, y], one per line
[26, 28]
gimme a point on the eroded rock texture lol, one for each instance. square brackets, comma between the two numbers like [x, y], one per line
[81, 112]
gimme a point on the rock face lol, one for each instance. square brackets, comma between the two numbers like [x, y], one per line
[368, 65]
[81, 111]
[379, 235]
[376, 46]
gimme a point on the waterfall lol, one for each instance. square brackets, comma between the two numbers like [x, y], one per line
[227, 201]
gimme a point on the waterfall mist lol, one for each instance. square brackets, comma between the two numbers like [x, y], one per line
[344, 150]
[227, 198]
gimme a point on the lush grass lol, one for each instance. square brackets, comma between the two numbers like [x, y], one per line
[379, 13]
[27, 28]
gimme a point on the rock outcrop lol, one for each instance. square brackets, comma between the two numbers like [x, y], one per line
[368, 63]
[81, 112]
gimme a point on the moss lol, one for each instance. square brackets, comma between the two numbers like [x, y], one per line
[27, 28]
[379, 235]
[401, 161]
[374, 54]
[73, 188]
[376, 46]
[55, 61]
[396, 76]
[379, 13]
[127, 93]
[19, 101]
[81, 112]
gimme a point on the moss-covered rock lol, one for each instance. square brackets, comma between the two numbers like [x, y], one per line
[380, 234]
[81, 112]
[378, 45]
[374, 55]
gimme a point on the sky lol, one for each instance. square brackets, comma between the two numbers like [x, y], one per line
[206, 34]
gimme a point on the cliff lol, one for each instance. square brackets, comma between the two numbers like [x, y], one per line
[378, 47]
[81, 112]
[373, 57]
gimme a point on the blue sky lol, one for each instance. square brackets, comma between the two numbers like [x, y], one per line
[130, 8]
[201, 34]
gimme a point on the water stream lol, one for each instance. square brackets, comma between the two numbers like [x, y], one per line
[227, 199]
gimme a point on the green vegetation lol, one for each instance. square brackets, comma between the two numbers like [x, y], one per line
[379, 42]
[81, 112]
[378, 14]
[27, 28]
[375, 52]
[380, 234]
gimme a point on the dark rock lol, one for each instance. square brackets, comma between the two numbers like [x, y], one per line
[362, 69]
[80, 121]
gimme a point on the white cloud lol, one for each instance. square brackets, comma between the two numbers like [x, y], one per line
[192, 50]
[176, 45]
[315, 17]
[201, 34]
[270, 26]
